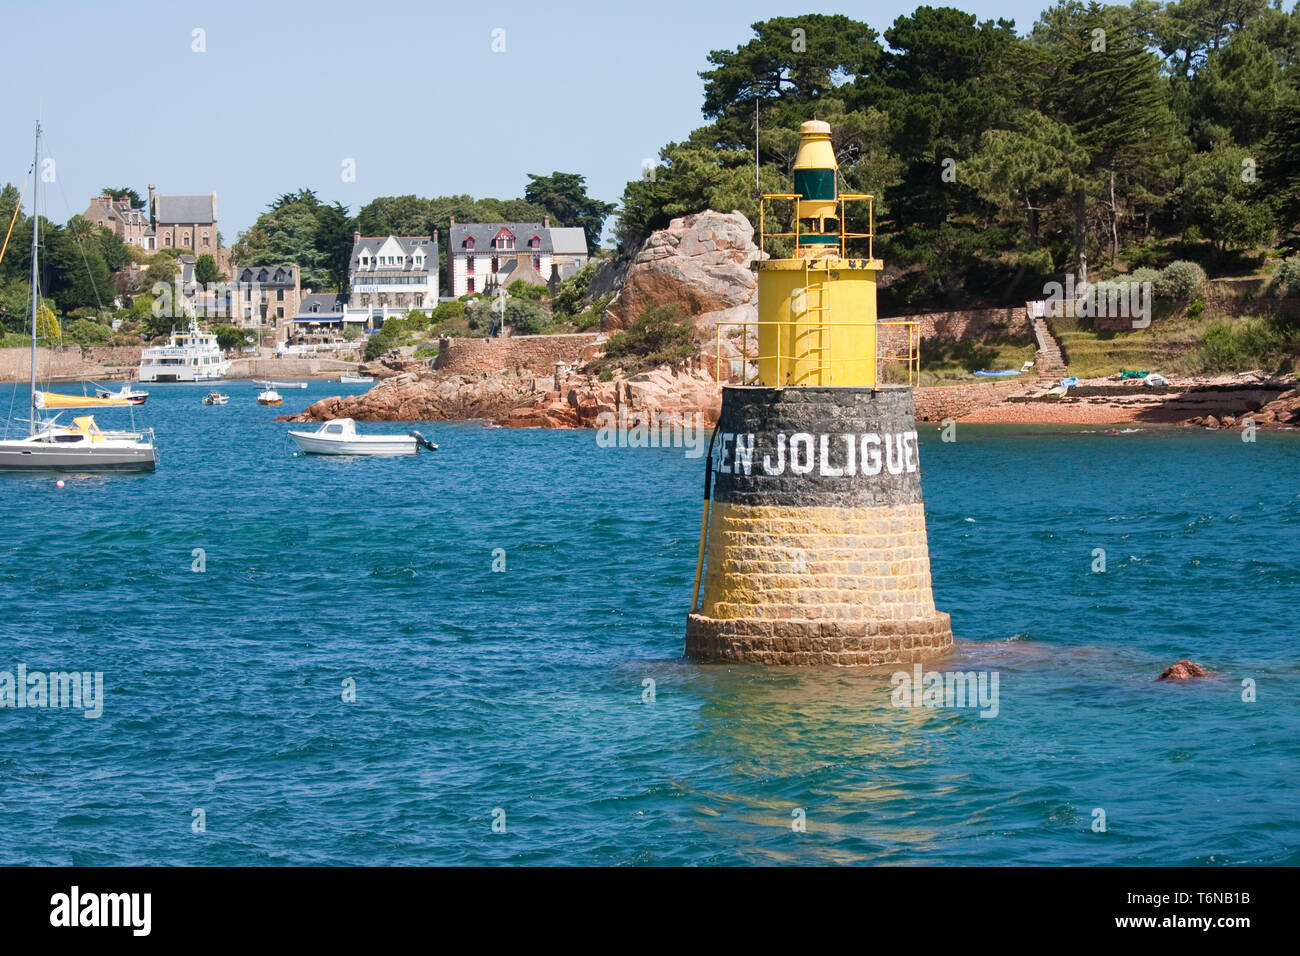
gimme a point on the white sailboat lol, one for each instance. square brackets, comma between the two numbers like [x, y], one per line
[81, 446]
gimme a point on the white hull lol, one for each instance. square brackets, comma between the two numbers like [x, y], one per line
[180, 373]
[386, 446]
[106, 455]
[191, 356]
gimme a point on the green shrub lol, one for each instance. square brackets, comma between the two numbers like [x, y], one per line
[659, 336]
[396, 327]
[416, 321]
[1145, 275]
[519, 289]
[1180, 281]
[447, 312]
[426, 351]
[1286, 280]
[587, 320]
[607, 376]
[1145, 255]
[478, 315]
[379, 343]
[571, 295]
[1247, 344]
[87, 332]
[229, 337]
[526, 317]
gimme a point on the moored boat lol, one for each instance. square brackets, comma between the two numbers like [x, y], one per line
[271, 384]
[191, 356]
[126, 393]
[82, 446]
[339, 436]
[215, 398]
[269, 397]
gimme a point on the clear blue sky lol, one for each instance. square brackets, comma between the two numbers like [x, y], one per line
[411, 91]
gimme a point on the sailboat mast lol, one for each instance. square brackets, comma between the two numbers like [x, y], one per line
[36, 219]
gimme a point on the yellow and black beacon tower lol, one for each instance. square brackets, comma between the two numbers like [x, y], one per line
[812, 546]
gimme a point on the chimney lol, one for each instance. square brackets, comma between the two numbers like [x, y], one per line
[453, 222]
[356, 237]
[214, 206]
[546, 221]
[151, 205]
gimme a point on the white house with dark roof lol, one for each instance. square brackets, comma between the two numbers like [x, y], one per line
[483, 255]
[390, 275]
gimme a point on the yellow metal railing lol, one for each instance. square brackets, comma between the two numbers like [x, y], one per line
[840, 201]
[887, 354]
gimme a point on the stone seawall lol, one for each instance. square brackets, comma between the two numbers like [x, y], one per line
[965, 325]
[956, 401]
[535, 354]
[288, 368]
[65, 363]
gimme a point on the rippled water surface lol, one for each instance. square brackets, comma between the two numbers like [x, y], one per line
[521, 692]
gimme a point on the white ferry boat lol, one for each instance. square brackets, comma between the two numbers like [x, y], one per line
[192, 356]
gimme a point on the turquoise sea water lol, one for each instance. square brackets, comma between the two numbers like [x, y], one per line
[518, 695]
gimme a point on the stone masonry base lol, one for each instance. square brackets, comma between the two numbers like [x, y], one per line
[841, 643]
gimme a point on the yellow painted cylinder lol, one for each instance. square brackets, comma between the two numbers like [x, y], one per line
[817, 322]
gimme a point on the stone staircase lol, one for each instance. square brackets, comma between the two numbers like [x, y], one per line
[1049, 362]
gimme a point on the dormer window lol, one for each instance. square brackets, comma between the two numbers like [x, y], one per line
[469, 243]
[535, 242]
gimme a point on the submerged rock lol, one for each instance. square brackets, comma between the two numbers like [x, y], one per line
[1183, 670]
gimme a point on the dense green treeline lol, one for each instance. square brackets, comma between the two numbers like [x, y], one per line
[1106, 138]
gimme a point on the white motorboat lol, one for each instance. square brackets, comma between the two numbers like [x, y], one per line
[215, 398]
[272, 385]
[83, 446]
[339, 436]
[126, 393]
[355, 379]
[269, 397]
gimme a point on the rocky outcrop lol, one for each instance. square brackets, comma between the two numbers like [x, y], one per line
[661, 392]
[1282, 411]
[700, 262]
[515, 402]
[408, 398]
[1183, 670]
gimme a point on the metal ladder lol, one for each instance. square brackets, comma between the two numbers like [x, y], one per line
[822, 370]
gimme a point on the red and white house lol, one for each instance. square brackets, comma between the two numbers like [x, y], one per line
[483, 255]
